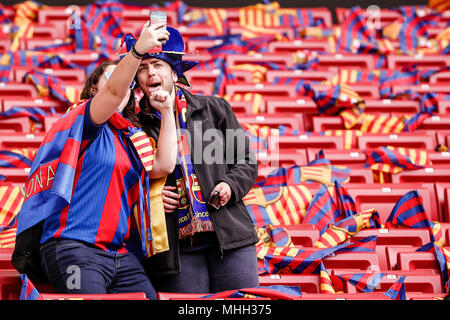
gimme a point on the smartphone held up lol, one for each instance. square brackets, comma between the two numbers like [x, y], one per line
[157, 17]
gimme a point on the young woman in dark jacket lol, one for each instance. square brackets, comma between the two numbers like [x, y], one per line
[212, 247]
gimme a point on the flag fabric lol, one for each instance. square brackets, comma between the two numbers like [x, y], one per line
[443, 259]
[278, 205]
[344, 229]
[270, 236]
[363, 281]
[11, 200]
[397, 291]
[274, 292]
[28, 290]
[34, 113]
[16, 158]
[354, 27]
[410, 212]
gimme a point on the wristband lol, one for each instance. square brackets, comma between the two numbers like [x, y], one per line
[136, 54]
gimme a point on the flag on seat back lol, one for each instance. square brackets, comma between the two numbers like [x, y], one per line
[270, 236]
[11, 200]
[274, 292]
[410, 212]
[364, 281]
[397, 291]
[346, 228]
[278, 205]
[16, 158]
[443, 259]
[354, 27]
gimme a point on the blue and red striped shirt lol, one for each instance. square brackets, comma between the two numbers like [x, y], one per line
[105, 190]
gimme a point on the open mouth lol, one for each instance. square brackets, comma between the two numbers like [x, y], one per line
[154, 87]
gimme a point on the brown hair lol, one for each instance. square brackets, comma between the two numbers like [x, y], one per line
[87, 93]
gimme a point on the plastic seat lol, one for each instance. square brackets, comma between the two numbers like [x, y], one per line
[396, 237]
[366, 261]
[11, 284]
[344, 296]
[296, 45]
[67, 75]
[433, 175]
[16, 175]
[44, 103]
[20, 124]
[303, 141]
[5, 45]
[440, 78]
[56, 15]
[443, 107]
[241, 107]
[422, 88]
[413, 283]
[108, 296]
[304, 235]
[417, 260]
[408, 140]
[425, 296]
[427, 61]
[352, 158]
[307, 282]
[273, 121]
[365, 91]
[16, 89]
[5, 259]
[202, 45]
[266, 90]
[384, 197]
[211, 75]
[14, 140]
[388, 105]
[319, 76]
[287, 105]
[235, 59]
[360, 61]
[436, 122]
[282, 159]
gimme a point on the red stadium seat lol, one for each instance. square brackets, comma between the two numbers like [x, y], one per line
[422, 88]
[303, 141]
[67, 75]
[307, 282]
[16, 89]
[435, 174]
[440, 78]
[235, 59]
[16, 175]
[409, 140]
[425, 296]
[345, 296]
[388, 105]
[14, 140]
[266, 90]
[359, 61]
[413, 283]
[271, 75]
[44, 103]
[5, 259]
[304, 235]
[108, 296]
[353, 158]
[443, 107]
[5, 45]
[294, 122]
[396, 237]
[384, 197]
[436, 122]
[282, 159]
[392, 252]
[56, 15]
[365, 91]
[196, 296]
[361, 175]
[363, 261]
[242, 107]
[10, 285]
[417, 260]
[202, 45]
[398, 62]
[20, 124]
[288, 105]
[296, 45]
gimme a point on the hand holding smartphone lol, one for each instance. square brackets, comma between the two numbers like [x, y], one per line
[157, 17]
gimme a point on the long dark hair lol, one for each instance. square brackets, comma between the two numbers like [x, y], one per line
[87, 93]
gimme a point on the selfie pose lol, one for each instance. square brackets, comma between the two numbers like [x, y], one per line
[211, 236]
[88, 176]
